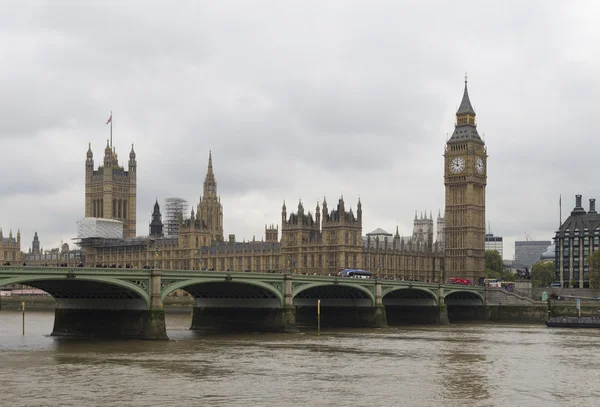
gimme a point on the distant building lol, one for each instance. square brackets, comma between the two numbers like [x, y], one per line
[527, 253]
[10, 248]
[319, 242]
[494, 243]
[576, 238]
[549, 255]
[37, 256]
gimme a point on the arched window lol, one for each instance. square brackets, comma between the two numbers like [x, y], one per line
[114, 209]
[124, 208]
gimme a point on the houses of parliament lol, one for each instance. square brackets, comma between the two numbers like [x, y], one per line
[321, 241]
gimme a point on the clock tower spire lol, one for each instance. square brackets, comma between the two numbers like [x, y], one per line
[465, 179]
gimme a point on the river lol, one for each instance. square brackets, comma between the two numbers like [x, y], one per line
[456, 365]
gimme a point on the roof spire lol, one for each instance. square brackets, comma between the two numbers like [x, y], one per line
[465, 104]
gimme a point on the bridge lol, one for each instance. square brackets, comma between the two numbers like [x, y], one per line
[128, 303]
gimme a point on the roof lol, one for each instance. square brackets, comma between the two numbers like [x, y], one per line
[549, 253]
[379, 232]
[465, 104]
[465, 132]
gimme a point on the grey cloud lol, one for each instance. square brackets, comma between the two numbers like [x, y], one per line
[298, 100]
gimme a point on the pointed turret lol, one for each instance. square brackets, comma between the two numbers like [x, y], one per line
[283, 214]
[318, 214]
[359, 210]
[89, 154]
[210, 184]
[132, 162]
[466, 126]
[465, 104]
[156, 225]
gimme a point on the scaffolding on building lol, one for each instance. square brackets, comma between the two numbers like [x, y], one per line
[175, 209]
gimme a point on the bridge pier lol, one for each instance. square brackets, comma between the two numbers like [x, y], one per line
[127, 319]
[244, 319]
[101, 323]
[443, 318]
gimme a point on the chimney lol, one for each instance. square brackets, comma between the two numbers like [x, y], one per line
[592, 205]
[231, 238]
[578, 201]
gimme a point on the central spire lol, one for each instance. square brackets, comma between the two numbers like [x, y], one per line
[465, 104]
[465, 128]
[210, 184]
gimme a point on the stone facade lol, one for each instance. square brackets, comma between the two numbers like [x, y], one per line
[110, 191]
[465, 178]
[10, 248]
[65, 256]
[322, 243]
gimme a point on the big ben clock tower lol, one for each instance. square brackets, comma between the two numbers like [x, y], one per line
[465, 178]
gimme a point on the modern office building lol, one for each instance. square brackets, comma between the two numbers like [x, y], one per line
[528, 252]
[494, 243]
[576, 238]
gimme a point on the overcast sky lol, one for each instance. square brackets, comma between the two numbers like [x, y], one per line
[298, 100]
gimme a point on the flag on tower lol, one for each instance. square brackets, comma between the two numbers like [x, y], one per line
[109, 119]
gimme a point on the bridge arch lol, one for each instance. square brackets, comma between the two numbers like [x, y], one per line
[333, 294]
[218, 290]
[417, 296]
[88, 291]
[463, 297]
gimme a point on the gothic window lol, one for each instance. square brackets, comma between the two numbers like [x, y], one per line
[114, 208]
[125, 209]
[119, 208]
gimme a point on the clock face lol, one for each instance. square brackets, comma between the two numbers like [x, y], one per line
[479, 165]
[457, 165]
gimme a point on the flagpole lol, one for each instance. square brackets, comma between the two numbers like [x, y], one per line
[111, 120]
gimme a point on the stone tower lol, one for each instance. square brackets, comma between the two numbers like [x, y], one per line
[156, 224]
[465, 178]
[210, 210]
[110, 191]
[441, 234]
[35, 245]
[342, 237]
[423, 230]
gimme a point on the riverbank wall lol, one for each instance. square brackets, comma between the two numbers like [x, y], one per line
[48, 303]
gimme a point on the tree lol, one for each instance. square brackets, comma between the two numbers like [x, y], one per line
[543, 274]
[493, 261]
[594, 264]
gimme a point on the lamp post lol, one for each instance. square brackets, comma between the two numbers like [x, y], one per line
[156, 257]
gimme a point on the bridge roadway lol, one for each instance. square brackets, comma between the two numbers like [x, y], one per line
[127, 303]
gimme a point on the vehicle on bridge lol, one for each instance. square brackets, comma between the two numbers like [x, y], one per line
[492, 283]
[354, 273]
[461, 281]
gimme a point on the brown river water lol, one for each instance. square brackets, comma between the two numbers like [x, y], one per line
[456, 365]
